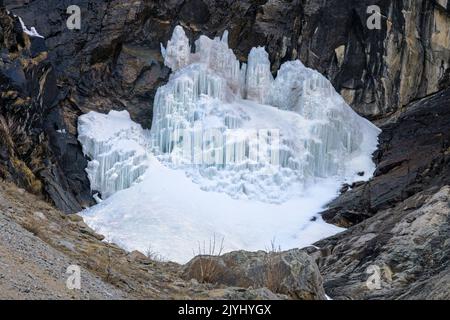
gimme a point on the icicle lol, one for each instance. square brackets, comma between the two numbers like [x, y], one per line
[177, 53]
[117, 147]
[201, 120]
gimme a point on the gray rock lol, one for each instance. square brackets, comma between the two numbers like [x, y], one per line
[407, 246]
[231, 293]
[293, 273]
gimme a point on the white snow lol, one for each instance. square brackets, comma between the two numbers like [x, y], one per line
[32, 32]
[233, 152]
[172, 215]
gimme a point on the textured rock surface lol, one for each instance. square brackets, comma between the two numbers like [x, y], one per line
[399, 221]
[408, 243]
[36, 150]
[377, 70]
[30, 269]
[293, 273]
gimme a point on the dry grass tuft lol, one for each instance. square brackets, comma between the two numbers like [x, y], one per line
[209, 270]
[273, 276]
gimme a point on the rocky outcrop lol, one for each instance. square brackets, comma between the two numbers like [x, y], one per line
[401, 253]
[397, 244]
[36, 150]
[293, 273]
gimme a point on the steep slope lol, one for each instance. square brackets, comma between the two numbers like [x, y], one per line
[413, 156]
[406, 246]
[36, 152]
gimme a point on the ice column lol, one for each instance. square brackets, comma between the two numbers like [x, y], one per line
[258, 76]
[212, 99]
[177, 53]
[117, 148]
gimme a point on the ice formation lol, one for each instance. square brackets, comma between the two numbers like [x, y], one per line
[232, 152]
[238, 130]
[117, 148]
[169, 214]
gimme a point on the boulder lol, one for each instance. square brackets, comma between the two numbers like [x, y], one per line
[400, 253]
[293, 273]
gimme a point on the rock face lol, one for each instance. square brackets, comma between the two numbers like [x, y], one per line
[293, 273]
[400, 253]
[400, 220]
[37, 151]
[114, 61]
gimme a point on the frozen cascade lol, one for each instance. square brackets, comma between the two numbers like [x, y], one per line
[233, 152]
[117, 148]
[209, 120]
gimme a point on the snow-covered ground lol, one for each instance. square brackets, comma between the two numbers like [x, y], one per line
[171, 215]
[233, 153]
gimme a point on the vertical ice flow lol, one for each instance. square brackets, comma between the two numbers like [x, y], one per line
[117, 149]
[234, 128]
[317, 135]
[279, 146]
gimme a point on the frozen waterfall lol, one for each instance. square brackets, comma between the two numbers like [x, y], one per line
[233, 152]
[236, 129]
[117, 148]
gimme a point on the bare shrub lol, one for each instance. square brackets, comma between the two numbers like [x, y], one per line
[209, 270]
[153, 255]
[33, 228]
[273, 275]
[12, 130]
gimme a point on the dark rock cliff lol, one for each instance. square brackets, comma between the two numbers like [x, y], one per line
[377, 71]
[34, 150]
[413, 155]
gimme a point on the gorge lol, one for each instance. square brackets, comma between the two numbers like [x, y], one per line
[63, 90]
[215, 120]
